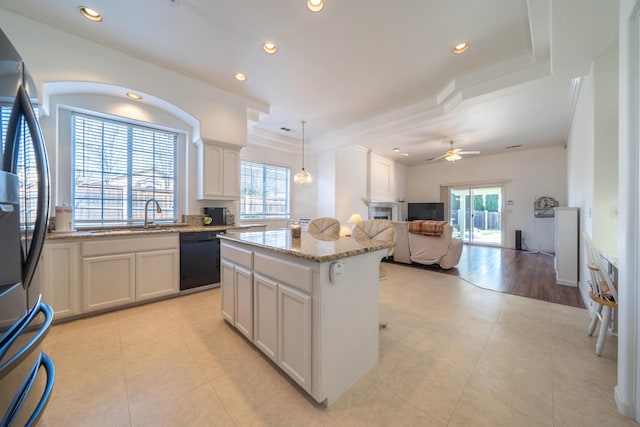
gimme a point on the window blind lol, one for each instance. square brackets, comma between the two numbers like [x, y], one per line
[26, 169]
[118, 167]
[264, 191]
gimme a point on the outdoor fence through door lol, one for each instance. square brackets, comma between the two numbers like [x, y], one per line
[476, 214]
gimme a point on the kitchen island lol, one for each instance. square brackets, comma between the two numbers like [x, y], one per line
[309, 304]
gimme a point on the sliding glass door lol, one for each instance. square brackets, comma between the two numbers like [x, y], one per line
[476, 214]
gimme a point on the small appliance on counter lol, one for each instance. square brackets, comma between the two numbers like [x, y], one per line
[218, 216]
[63, 219]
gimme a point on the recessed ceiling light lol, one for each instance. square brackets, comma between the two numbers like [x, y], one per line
[240, 77]
[315, 5]
[396, 149]
[461, 47]
[405, 154]
[269, 47]
[90, 14]
[134, 95]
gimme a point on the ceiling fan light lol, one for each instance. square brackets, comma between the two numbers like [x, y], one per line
[453, 157]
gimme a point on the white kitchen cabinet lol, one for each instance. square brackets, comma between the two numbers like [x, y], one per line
[302, 318]
[59, 272]
[231, 173]
[227, 287]
[265, 315]
[108, 281]
[120, 271]
[218, 172]
[243, 280]
[294, 335]
[237, 287]
[381, 182]
[567, 257]
[157, 273]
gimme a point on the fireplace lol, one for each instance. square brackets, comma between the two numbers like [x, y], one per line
[385, 210]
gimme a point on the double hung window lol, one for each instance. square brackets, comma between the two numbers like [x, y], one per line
[264, 191]
[117, 167]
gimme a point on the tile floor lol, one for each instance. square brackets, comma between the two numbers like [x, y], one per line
[452, 355]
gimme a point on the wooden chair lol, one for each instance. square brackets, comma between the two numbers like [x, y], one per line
[602, 293]
[324, 227]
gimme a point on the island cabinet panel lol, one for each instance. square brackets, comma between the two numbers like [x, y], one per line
[321, 329]
[294, 333]
[265, 315]
[293, 274]
[227, 287]
[237, 287]
[243, 279]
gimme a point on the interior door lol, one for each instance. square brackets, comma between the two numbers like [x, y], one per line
[476, 215]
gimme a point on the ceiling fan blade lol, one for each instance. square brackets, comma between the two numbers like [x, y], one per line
[468, 152]
[439, 157]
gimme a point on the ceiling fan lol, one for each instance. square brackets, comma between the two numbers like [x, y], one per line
[454, 154]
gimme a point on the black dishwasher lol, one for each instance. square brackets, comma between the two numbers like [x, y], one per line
[199, 259]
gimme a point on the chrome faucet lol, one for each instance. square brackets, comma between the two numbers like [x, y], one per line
[146, 208]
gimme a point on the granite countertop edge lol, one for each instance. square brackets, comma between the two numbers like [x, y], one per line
[138, 231]
[370, 246]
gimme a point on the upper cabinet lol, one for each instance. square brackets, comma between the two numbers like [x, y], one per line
[218, 172]
[382, 185]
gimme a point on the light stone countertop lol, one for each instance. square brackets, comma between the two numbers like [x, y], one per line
[125, 231]
[307, 247]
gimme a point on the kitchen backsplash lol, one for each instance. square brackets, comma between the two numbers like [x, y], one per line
[193, 220]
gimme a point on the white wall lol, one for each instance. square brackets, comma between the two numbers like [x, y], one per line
[528, 174]
[592, 160]
[627, 391]
[580, 168]
[605, 181]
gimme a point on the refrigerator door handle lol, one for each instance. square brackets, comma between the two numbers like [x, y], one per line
[14, 408]
[35, 341]
[22, 107]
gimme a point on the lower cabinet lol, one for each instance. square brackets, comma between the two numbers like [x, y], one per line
[294, 334]
[118, 272]
[237, 296]
[265, 316]
[108, 281]
[282, 327]
[59, 271]
[157, 274]
[244, 300]
[270, 312]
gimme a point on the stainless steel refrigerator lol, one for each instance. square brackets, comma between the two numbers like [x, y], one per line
[26, 372]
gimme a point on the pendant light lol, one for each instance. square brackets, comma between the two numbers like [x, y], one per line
[303, 177]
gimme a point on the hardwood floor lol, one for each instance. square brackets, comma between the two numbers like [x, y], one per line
[516, 272]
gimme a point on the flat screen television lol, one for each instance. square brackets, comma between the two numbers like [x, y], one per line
[433, 211]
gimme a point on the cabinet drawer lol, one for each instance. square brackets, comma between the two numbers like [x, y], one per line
[237, 255]
[289, 273]
[129, 244]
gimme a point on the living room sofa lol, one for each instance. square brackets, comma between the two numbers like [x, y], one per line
[422, 249]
